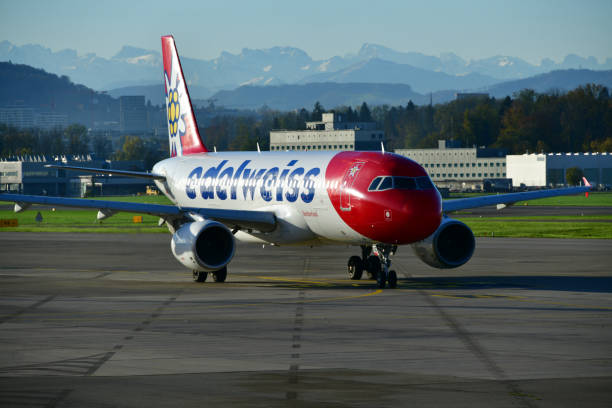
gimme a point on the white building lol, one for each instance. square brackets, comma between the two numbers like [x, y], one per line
[457, 167]
[331, 133]
[540, 170]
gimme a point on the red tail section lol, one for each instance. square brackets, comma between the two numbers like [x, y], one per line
[182, 126]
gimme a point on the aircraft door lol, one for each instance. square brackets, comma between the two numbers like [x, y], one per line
[347, 184]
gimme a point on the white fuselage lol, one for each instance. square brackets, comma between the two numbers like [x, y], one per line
[290, 184]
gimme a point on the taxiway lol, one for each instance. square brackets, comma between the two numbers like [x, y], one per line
[103, 320]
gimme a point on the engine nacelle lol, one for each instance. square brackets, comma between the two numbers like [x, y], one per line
[203, 245]
[450, 246]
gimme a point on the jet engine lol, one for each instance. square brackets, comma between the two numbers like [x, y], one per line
[203, 246]
[450, 246]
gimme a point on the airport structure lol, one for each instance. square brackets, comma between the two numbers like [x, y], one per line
[23, 117]
[462, 168]
[331, 133]
[541, 170]
[28, 175]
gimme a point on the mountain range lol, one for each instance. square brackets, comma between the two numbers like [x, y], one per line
[372, 63]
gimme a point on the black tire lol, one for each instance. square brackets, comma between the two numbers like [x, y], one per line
[220, 275]
[200, 276]
[373, 267]
[381, 280]
[355, 267]
[392, 279]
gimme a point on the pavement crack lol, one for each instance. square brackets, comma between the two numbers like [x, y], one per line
[27, 309]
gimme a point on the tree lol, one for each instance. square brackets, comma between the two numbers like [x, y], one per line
[573, 176]
[102, 146]
[364, 113]
[78, 142]
[317, 111]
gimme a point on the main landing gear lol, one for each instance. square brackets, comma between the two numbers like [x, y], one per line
[218, 276]
[377, 265]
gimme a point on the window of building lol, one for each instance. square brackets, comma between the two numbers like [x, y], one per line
[460, 164]
[473, 164]
[473, 174]
[486, 174]
[497, 164]
[492, 164]
[455, 164]
[479, 164]
[437, 164]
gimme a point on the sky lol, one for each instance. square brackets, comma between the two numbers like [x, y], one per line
[531, 29]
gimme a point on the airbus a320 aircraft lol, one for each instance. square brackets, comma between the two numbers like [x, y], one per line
[375, 200]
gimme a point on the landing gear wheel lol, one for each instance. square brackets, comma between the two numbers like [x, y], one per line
[392, 279]
[373, 267]
[355, 267]
[200, 276]
[381, 280]
[220, 275]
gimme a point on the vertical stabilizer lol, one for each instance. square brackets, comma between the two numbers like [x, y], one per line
[183, 131]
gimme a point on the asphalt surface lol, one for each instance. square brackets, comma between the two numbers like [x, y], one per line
[104, 320]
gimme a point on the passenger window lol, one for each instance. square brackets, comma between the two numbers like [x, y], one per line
[386, 184]
[374, 184]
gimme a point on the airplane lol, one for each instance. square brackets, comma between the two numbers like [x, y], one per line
[376, 200]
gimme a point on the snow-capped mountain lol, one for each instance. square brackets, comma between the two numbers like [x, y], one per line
[373, 63]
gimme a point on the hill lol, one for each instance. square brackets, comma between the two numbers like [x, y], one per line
[289, 97]
[22, 84]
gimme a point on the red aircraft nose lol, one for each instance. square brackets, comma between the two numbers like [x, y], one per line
[385, 197]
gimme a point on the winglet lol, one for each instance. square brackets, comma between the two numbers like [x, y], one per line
[586, 184]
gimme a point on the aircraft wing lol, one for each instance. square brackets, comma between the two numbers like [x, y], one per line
[508, 199]
[126, 173]
[258, 220]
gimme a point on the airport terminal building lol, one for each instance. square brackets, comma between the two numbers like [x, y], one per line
[462, 168]
[548, 170]
[331, 133]
[28, 175]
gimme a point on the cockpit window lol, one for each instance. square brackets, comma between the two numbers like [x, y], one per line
[386, 184]
[424, 183]
[402, 183]
[374, 184]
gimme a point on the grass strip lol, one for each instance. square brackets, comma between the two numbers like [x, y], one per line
[535, 229]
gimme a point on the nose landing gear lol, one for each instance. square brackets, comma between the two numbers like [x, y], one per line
[376, 265]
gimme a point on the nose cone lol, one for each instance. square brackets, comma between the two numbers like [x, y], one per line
[397, 214]
[422, 215]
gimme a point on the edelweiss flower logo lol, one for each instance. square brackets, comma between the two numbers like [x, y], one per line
[174, 112]
[176, 123]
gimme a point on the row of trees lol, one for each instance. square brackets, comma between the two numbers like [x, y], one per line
[576, 121]
[74, 140]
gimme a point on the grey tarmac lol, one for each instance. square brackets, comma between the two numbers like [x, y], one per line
[112, 320]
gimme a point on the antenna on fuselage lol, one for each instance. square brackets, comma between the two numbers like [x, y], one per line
[382, 147]
[215, 148]
[258, 150]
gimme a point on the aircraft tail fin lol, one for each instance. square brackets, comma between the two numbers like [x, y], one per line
[183, 131]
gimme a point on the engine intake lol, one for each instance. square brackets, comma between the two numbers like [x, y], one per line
[450, 246]
[203, 246]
